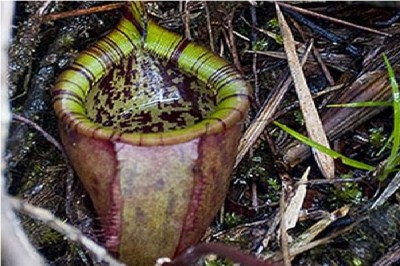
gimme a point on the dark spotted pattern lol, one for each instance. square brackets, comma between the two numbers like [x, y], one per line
[143, 94]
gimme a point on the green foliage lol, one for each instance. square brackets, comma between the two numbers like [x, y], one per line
[361, 104]
[67, 40]
[40, 234]
[50, 237]
[377, 137]
[255, 170]
[394, 159]
[232, 219]
[298, 117]
[260, 45]
[279, 39]
[273, 24]
[274, 184]
[348, 193]
[356, 261]
[274, 188]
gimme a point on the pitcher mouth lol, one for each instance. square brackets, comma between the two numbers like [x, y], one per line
[218, 121]
[231, 92]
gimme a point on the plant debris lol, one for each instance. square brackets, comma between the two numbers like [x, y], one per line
[345, 64]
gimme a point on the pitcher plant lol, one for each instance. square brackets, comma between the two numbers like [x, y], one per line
[151, 123]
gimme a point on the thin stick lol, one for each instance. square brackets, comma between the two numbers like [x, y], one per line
[254, 65]
[323, 66]
[254, 198]
[308, 12]
[231, 38]
[265, 115]
[47, 136]
[298, 250]
[63, 228]
[332, 181]
[283, 232]
[391, 257]
[52, 140]
[186, 20]
[79, 12]
[210, 33]
[391, 188]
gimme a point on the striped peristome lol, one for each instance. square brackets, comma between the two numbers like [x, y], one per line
[132, 38]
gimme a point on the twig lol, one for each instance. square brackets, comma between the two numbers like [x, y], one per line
[253, 38]
[391, 188]
[295, 104]
[270, 34]
[254, 198]
[390, 258]
[283, 232]
[265, 115]
[231, 38]
[271, 230]
[298, 250]
[327, 34]
[331, 181]
[308, 12]
[46, 135]
[370, 86]
[295, 202]
[186, 21]
[52, 140]
[325, 70]
[209, 28]
[239, 227]
[79, 12]
[237, 34]
[69, 231]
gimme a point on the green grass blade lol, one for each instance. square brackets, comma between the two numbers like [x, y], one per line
[332, 153]
[394, 154]
[361, 104]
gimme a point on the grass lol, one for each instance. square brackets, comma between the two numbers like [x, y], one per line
[393, 161]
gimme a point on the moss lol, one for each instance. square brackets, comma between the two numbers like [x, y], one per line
[377, 137]
[232, 219]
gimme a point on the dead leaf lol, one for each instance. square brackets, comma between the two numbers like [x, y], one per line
[312, 121]
[293, 209]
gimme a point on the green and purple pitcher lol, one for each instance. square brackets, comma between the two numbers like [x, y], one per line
[151, 123]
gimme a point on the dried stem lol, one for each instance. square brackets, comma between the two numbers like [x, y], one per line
[308, 12]
[52, 140]
[80, 12]
[209, 29]
[60, 226]
[232, 41]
